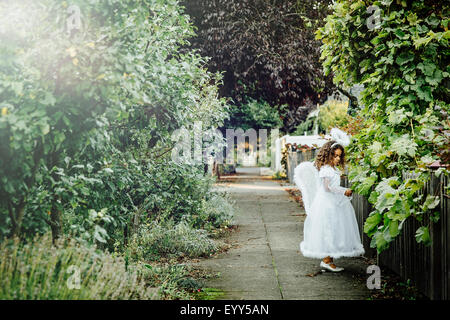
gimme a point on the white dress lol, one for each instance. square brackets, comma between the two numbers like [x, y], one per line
[330, 227]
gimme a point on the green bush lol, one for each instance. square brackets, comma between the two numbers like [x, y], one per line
[254, 114]
[332, 113]
[172, 281]
[99, 135]
[38, 270]
[399, 53]
[167, 239]
[217, 212]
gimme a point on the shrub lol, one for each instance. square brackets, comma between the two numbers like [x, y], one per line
[173, 281]
[167, 239]
[217, 211]
[38, 270]
[401, 59]
[254, 114]
[333, 113]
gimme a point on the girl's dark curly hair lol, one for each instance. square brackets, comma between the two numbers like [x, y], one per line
[326, 154]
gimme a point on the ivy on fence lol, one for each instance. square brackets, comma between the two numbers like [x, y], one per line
[402, 61]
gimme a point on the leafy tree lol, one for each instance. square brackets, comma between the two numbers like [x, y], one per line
[400, 53]
[254, 114]
[86, 115]
[333, 114]
[267, 50]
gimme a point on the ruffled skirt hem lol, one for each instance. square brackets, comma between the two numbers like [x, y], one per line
[336, 255]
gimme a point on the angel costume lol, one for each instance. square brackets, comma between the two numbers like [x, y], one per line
[330, 228]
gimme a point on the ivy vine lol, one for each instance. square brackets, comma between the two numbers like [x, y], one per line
[403, 63]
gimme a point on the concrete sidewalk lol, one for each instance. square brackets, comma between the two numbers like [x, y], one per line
[265, 262]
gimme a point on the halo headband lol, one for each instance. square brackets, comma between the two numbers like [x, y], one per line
[335, 144]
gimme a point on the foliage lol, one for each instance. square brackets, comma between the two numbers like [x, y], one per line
[307, 126]
[171, 280]
[87, 118]
[403, 64]
[279, 175]
[267, 50]
[217, 212]
[254, 114]
[170, 240]
[332, 113]
[87, 129]
[210, 294]
[39, 271]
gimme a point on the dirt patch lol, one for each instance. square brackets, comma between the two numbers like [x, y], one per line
[296, 195]
[392, 286]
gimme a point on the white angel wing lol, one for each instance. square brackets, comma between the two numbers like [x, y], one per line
[306, 177]
[340, 137]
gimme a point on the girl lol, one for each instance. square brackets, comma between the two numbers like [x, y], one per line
[330, 229]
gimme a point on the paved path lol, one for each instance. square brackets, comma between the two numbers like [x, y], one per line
[266, 263]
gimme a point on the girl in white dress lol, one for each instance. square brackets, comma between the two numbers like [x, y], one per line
[330, 228]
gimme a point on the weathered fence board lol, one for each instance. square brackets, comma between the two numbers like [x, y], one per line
[426, 266]
[294, 158]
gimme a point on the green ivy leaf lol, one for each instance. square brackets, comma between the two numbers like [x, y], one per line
[400, 34]
[427, 68]
[45, 129]
[424, 93]
[366, 185]
[431, 202]
[432, 20]
[393, 228]
[435, 79]
[404, 58]
[404, 146]
[423, 235]
[372, 222]
[379, 242]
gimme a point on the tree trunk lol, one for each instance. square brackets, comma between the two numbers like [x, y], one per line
[125, 236]
[16, 214]
[353, 102]
[216, 169]
[56, 224]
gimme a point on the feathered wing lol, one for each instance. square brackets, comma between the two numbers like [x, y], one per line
[306, 177]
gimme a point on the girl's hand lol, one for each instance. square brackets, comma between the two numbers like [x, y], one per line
[348, 192]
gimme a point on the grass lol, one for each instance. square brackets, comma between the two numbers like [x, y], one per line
[209, 294]
[38, 270]
[279, 175]
[170, 240]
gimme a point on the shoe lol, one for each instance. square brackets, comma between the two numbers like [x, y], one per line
[328, 267]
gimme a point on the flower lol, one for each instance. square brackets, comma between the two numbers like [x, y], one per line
[4, 111]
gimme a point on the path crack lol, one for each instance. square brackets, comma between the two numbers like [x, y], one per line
[274, 265]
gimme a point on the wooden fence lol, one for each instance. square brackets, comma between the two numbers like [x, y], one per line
[295, 158]
[426, 266]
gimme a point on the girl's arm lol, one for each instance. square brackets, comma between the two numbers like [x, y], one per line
[332, 188]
